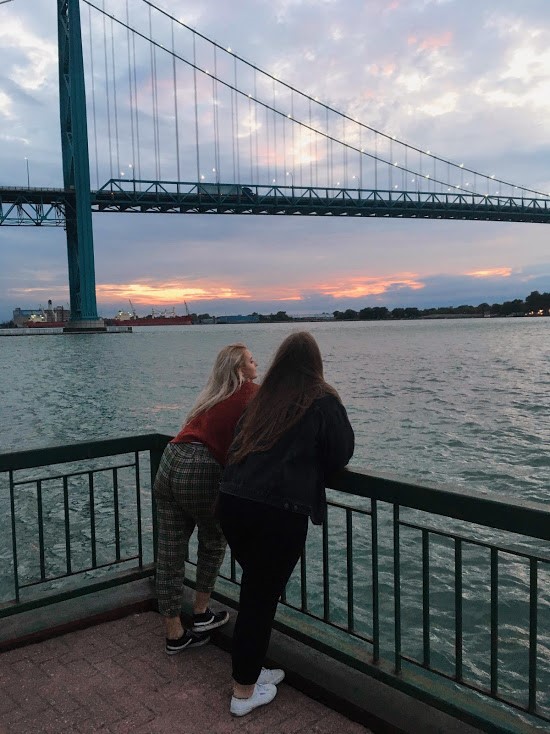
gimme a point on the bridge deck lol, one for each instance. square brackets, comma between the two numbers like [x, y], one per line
[115, 677]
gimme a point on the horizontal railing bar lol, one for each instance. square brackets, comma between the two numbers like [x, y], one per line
[82, 450]
[72, 474]
[342, 506]
[49, 579]
[501, 512]
[10, 608]
[478, 688]
[510, 549]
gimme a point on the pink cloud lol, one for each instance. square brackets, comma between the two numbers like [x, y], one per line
[431, 42]
[491, 273]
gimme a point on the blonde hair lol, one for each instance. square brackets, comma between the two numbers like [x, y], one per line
[225, 379]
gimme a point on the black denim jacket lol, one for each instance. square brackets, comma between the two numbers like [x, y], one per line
[292, 474]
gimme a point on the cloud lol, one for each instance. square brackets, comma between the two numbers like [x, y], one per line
[491, 273]
[470, 84]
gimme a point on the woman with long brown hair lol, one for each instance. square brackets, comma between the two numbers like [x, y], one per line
[293, 434]
[185, 490]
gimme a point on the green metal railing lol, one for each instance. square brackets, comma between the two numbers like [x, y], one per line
[80, 528]
[442, 593]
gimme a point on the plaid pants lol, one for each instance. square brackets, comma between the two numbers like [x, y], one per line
[186, 487]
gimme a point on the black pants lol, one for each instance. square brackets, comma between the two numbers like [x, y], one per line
[267, 543]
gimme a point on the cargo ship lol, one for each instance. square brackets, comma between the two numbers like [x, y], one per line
[50, 317]
[163, 318]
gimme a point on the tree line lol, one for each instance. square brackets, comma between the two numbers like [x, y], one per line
[535, 303]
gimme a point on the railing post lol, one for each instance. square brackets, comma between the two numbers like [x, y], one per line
[155, 457]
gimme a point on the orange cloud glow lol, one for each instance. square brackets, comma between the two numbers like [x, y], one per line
[359, 288]
[170, 293]
[166, 293]
[491, 273]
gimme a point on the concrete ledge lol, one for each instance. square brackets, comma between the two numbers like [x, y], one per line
[79, 612]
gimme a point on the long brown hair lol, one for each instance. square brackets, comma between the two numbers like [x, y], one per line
[292, 382]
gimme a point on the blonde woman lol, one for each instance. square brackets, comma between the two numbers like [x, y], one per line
[186, 488]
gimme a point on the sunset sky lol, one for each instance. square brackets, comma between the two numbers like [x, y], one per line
[465, 79]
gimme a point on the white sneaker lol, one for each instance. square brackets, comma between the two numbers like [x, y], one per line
[262, 695]
[273, 676]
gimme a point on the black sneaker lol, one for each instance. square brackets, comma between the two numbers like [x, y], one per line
[209, 620]
[187, 640]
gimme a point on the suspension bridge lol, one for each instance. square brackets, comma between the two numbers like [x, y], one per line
[157, 118]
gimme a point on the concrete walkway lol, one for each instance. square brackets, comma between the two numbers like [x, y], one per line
[116, 678]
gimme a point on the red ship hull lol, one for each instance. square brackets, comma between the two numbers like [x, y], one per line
[45, 324]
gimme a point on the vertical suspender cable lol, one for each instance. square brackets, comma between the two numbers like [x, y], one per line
[360, 157]
[285, 169]
[292, 125]
[131, 93]
[329, 170]
[138, 146]
[107, 92]
[196, 107]
[345, 156]
[317, 156]
[237, 119]
[154, 91]
[115, 101]
[310, 183]
[176, 119]
[390, 172]
[233, 133]
[216, 117]
[250, 153]
[256, 126]
[268, 144]
[375, 161]
[93, 97]
[274, 135]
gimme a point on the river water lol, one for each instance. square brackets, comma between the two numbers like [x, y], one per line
[459, 402]
[454, 401]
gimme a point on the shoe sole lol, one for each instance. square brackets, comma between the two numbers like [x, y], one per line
[211, 625]
[251, 709]
[199, 643]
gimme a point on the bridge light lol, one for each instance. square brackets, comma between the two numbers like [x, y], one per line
[427, 152]
[427, 175]
[395, 163]
[493, 175]
[229, 49]
[462, 165]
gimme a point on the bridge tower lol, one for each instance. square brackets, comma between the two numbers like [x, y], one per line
[76, 171]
